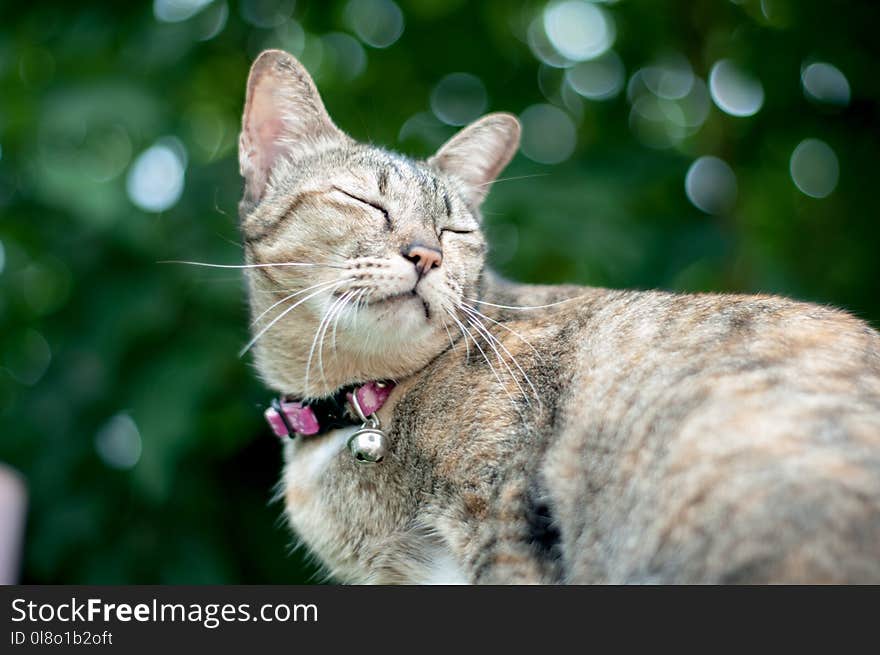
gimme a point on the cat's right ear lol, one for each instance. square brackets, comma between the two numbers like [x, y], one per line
[284, 118]
[479, 152]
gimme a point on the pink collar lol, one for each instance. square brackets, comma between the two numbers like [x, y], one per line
[289, 418]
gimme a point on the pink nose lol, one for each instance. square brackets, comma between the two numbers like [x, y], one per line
[424, 258]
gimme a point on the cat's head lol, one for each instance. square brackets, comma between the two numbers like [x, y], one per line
[360, 256]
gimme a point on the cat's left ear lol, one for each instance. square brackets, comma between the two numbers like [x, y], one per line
[284, 118]
[479, 152]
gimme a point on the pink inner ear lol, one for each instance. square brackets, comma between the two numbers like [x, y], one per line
[265, 136]
[268, 131]
[264, 129]
[283, 117]
[268, 143]
[266, 125]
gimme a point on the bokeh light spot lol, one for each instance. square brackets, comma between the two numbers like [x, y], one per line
[656, 122]
[578, 30]
[549, 135]
[28, 357]
[155, 180]
[597, 79]
[669, 103]
[424, 127]
[710, 184]
[825, 83]
[378, 23]
[814, 168]
[776, 12]
[118, 442]
[695, 105]
[106, 153]
[670, 78]
[735, 91]
[289, 36]
[2, 257]
[458, 98]
[209, 131]
[541, 47]
[213, 21]
[346, 55]
[266, 13]
[174, 11]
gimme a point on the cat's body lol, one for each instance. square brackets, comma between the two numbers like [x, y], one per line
[597, 436]
[679, 439]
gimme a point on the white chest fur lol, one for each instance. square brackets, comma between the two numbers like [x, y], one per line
[307, 500]
[311, 456]
[441, 569]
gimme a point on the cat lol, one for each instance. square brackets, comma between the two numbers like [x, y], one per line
[536, 434]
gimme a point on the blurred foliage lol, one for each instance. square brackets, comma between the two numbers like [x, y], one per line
[102, 348]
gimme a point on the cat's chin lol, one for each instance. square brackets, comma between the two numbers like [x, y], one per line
[387, 339]
[396, 323]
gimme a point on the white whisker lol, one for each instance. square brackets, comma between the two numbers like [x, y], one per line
[449, 334]
[467, 348]
[282, 315]
[481, 329]
[314, 344]
[528, 380]
[515, 177]
[483, 353]
[294, 295]
[278, 264]
[552, 304]
[351, 296]
[502, 325]
[357, 307]
[332, 315]
[319, 337]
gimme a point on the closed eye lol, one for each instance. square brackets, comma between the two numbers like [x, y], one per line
[449, 229]
[366, 202]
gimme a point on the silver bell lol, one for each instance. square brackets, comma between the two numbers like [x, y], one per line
[367, 446]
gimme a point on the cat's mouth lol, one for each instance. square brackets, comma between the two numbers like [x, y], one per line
[412, 294]
[403, 295]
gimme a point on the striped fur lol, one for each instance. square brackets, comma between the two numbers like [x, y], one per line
[607, 436]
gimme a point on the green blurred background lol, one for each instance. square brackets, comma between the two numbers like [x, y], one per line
[686, 145]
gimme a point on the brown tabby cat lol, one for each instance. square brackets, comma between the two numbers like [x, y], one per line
[536, 434]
